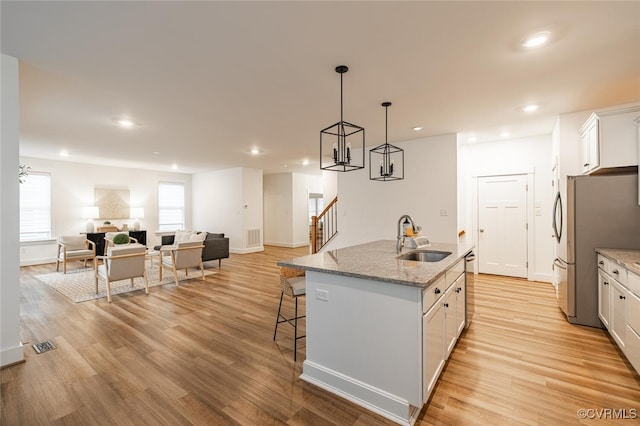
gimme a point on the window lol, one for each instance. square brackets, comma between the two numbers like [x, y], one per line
[316, 205]
[35, 207]
[170, 206]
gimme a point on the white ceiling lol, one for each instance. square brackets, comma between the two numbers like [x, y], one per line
[207, 81]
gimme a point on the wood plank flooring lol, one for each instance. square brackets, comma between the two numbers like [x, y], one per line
[203, 354]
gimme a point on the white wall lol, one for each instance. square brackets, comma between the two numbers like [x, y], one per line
[11, 350]
[72, 187]
[369, 210]
[515, 156]
[229, 201]
[286, 208]
[278, 216]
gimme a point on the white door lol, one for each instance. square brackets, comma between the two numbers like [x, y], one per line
[502, 225]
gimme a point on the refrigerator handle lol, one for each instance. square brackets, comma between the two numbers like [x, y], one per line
[557, 208]
[559, 263]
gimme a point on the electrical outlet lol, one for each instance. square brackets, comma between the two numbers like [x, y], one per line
[444, 212]
[322, 295]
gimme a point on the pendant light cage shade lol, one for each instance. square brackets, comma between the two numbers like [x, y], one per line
[338, 141]
[386, 161]
[336, 147]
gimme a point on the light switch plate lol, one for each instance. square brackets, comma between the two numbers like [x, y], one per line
[322, 295]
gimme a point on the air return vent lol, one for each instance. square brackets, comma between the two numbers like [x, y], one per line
[43, 346]
[253, 237]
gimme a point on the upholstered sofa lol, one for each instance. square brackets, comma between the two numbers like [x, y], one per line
[216, 246]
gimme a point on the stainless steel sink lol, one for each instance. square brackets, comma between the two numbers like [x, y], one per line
[425, 255]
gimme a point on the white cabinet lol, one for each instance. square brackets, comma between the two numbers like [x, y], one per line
[451, 327]
[445, 304]
[589, 145]
[618, 319]
[609, 139]
[619, 304]
[604, 298]
[433, 348]
[637, 120]
[461, 303]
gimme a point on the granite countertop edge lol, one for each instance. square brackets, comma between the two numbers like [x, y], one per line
[628, 258]
[378, 260]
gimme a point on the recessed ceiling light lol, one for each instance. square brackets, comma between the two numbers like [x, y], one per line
[125, 122]
[174, 166]
[505, 134]
[156, 152]
[305, 162]
[530, 108]
[537, 39]
[417, 128]
[255, 151]
[472, 139]
[64, 153]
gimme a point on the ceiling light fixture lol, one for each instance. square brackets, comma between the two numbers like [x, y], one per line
[472, 139]
[336, 139]
[505, 134]
[417, 128]
[125, 122]
[64, 153]
[537, 39]
[390, 158]
[305, 162]
[254, 151]
[530, 108]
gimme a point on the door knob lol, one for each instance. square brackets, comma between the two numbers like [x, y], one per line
[481, 230]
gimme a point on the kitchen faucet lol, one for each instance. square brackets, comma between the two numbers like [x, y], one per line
[402, 230]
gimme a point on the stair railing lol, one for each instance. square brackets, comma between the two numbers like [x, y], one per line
[324, 226]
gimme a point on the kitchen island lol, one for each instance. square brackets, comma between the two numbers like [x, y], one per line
[380, 328]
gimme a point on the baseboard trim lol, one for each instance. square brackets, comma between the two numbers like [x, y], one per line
[247, 250]
[360, 393]
[11, 356]
[286, 245]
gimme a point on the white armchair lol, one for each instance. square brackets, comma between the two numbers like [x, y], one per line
[182, 255]
[75, 247]
[121, 263]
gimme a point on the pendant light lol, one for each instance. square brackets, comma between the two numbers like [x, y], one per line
[336, 150]
[386, 162]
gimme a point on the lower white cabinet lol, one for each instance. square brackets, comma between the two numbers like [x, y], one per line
[604, 298]
[619, 305]
[461, 303]
[433, 327]
[451, 327]
[618, 318]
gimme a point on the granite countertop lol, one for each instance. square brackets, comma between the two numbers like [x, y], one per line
[378, 260]
[630, 259]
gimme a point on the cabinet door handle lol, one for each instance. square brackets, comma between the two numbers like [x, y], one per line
[437, 291]
[615, 271]
[622, 297]
[601, 263]
[606, 283]
[446, 305]
[585, 165]
[458, 290]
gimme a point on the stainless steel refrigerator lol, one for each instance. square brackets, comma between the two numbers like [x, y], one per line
[591, 212]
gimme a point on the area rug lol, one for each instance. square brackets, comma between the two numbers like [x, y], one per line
[79, 285]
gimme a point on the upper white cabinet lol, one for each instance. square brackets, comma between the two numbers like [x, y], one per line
[637, 120]
[609, 139]
[589, 145]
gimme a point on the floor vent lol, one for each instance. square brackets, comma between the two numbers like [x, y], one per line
[253, 237]
[43, 346]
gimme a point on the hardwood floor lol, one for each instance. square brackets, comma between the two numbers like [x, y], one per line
[203, 354]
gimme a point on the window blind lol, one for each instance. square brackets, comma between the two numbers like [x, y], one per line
[170, 206]
[35, 207]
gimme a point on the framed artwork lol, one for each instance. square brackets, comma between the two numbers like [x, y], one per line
[112, 203]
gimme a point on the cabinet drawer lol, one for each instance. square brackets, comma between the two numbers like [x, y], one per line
[433, 293]
[633, 311]
[454, 272]
[618, 273]
[603, 263]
